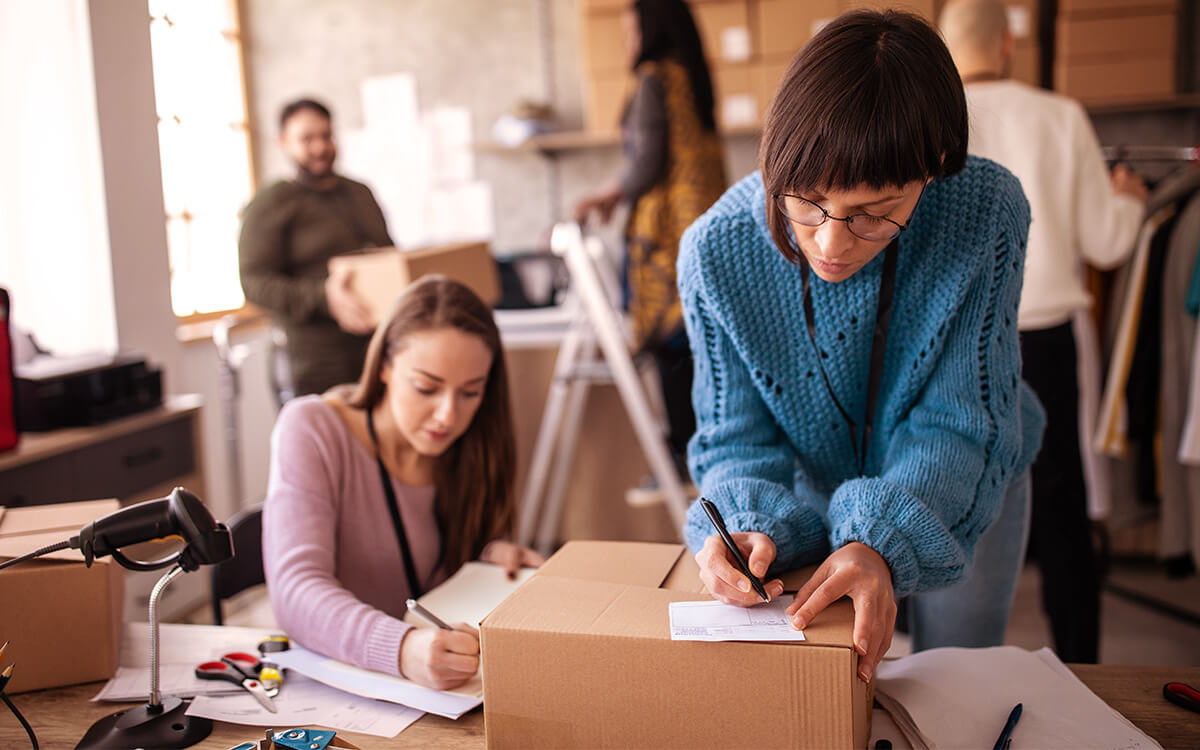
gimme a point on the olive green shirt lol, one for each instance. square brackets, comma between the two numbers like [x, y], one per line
[289, 233]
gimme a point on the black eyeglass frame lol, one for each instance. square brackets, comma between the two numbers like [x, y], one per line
[825, 216]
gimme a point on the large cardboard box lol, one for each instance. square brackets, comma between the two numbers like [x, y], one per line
[62, 620]
[1026, 64]
[603, 42]
[1136, 35]
[737, 97]
[1116, 81]
[768, 74]
[380, 275]
[784, 26]
[606, 95]
[724, 27]
[581, 656]
[1079, 7]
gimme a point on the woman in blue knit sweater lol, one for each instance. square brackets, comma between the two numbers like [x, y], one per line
[852, 311]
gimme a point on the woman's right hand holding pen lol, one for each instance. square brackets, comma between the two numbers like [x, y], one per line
[440, 659]
[720, 575]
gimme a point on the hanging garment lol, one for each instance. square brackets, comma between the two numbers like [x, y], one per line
[1095, 468]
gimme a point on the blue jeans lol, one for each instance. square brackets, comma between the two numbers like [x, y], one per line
[974, 613]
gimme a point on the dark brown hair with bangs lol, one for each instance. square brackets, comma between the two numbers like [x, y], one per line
[872, 100]
[473, 479]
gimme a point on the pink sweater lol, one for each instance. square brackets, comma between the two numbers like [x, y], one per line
[333, 565]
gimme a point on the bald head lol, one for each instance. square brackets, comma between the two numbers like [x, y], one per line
[976, 31]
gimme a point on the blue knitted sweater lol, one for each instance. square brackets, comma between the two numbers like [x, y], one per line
[955, 423]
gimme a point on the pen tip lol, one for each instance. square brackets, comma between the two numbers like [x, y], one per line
[8, 671]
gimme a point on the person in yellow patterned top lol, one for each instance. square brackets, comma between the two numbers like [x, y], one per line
[673, 171]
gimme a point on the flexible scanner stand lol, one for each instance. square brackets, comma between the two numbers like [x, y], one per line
[160, 723]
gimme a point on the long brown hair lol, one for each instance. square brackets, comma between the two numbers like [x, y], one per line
[473, 479]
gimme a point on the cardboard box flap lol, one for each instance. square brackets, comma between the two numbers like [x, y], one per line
[59, 516]
[550, 604]
[633, 563]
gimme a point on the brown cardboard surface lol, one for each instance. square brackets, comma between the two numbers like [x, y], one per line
[574, 661]
[1115, 81]
[737, 96]
[1025, 64]
[1142, 35]
[62, 619]
[784, 26]
[605, 101]
[380, 275]
[926, 8]
[767, 76]
[603, 36]
[1107, 6]
[714, 19]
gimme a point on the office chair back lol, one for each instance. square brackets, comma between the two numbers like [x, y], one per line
[245, 568]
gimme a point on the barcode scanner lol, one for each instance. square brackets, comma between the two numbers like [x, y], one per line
[180, 514]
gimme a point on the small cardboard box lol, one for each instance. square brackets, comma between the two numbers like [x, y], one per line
[62, 620]
[603, 49]
[737, 96]
[785, 26]
[581, 656]
[378, 276]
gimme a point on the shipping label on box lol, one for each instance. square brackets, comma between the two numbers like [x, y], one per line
[62, 619]
[377, 277]
[581, 656]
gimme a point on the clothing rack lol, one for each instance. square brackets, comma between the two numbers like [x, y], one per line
[1152, 153]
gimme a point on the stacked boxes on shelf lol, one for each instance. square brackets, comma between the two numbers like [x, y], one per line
[749, 44]
[1112, 51]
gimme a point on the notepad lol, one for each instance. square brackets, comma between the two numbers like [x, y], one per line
[714, 621]
[960, 697]
[470, 594]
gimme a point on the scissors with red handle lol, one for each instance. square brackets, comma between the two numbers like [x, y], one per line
[1182, 695]
[240, 669]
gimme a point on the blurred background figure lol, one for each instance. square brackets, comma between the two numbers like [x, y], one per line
[290, 230]
[1080, 213]
[673, 171]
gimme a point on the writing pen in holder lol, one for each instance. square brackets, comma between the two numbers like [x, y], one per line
[433, 619]
[718, 523]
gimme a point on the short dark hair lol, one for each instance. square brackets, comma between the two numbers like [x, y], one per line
[668, 30]
[299, 105]
[873, 99]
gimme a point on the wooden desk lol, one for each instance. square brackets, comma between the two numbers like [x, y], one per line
[60, 717]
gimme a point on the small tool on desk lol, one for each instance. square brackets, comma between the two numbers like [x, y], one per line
[433, 619]
[1004, 741]
[1182, 695]
[714, 515]
[241, 669]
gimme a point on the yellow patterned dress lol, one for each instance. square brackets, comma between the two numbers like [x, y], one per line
[692, 179]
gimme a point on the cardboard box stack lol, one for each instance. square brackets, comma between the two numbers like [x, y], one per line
[581, 656]
[749, 44]
[1112, 51]
[73, 635]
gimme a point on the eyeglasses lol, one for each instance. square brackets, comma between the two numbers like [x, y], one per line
[864, 226]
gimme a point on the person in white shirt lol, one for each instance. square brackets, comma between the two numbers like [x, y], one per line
[1080, 213]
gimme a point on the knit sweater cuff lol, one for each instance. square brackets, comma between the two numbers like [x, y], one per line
[891, 544]
[383, 645]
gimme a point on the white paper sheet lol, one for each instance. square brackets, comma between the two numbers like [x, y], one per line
[470, 594]
[961, 698]
[714, 621]
[449, 703]
[304, 702]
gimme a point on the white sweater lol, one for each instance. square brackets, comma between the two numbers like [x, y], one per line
[1047, 141]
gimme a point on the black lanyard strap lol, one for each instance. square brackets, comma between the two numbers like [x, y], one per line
[883, 319]
[410, 569]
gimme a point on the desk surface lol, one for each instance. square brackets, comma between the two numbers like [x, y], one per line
[61, 716]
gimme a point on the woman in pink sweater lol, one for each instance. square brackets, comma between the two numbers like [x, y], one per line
[380, 490]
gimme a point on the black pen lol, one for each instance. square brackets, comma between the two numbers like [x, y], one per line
[1005, 739]
[714, 515]
[415, 606]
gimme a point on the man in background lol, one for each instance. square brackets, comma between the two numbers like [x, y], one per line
[1080, 213]
[290, 230]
